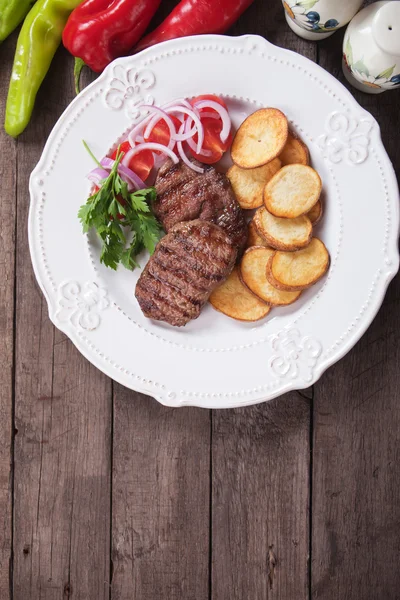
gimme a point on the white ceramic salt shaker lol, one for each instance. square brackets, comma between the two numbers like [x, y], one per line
[371, 48]
[318, 19]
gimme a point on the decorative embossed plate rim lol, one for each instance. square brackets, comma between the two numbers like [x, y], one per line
[214, 363]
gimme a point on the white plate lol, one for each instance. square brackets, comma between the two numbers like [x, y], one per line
[215, 361]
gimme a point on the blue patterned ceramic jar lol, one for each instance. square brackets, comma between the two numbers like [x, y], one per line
[371, 48]
[318, 19]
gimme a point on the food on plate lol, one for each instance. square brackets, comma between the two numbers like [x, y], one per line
[315, 214]
[12, 13]
[253, 237]
[235, 300]
[97, 32]
[33, 56]
[191, 17]
[187, 265]
[260, 138]
[283, 234]
[293, 191]
[253, 269]
[184, 195]
[113, 209]
[181, 130]
[294, 271]
[294, 152]
[248, 184]
[202, 256]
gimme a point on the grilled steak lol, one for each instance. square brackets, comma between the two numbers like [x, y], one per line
[184, 195]
[188, 263]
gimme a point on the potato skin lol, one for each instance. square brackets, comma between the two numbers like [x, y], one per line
[294, 152]
[252, 271]
[316, 248]
[261, 223]
[260, 138]
[292, 191]
[235, 300]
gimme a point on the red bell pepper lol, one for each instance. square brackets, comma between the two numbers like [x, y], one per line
[100, 30]
[193, 17]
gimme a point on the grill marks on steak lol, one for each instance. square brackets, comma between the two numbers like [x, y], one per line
[184, 195]
[188, 263]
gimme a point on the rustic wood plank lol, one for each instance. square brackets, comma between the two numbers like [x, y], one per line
[7, 268]
[160, 507]
[260, 493]
[260, 456]
[356, 459]
[160, 528]
[63, 417]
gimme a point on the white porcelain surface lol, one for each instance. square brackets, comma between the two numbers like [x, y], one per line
[215, 361]
[318, 19]
[371, 48]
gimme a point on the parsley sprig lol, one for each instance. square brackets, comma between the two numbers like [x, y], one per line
[113, 212]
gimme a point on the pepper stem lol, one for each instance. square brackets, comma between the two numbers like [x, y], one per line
[78, 66]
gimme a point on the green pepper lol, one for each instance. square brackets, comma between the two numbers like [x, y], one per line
[12, 13]
[38, 41]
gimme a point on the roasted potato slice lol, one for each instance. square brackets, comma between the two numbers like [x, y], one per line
[294, 152]
[315, 214]
[248, 184]
[283, 234]
[260, 138]
[253, 272]
[293, 191]
[254, 238]
[235, 300]
[294, 271]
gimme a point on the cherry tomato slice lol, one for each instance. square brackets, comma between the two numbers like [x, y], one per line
[212, 142]
[208, 97]
[140, 163]
[124, 147]
[160, 133]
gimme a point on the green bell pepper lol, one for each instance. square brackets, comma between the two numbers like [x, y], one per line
[38, 41]
[12, 13]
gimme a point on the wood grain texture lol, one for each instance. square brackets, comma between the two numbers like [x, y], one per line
[160, 526]
[161, 488]
[260, 456]
[63, 418]
[8, 169]
[260, 498]
[356, 457]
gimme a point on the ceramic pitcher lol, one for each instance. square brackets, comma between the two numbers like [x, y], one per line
[318, 19]
[371, 48]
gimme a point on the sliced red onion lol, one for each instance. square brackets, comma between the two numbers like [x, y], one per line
[132, 135]
[182, 137]
[179, 101]
[149, 146]
[223, 113]
[160, 116]
[199, 126]
[192, 144]
[184, 157]
[107, 163]
[129, 175]
[97, 175]
[126, 174]
[193, 147]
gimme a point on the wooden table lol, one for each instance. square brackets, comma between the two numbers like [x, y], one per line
[105, 494]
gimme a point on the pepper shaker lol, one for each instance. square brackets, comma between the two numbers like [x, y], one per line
[318, 19]
[371, 48]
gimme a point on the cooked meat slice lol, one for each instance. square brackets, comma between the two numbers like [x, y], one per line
[184, 195]
[188, 263]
